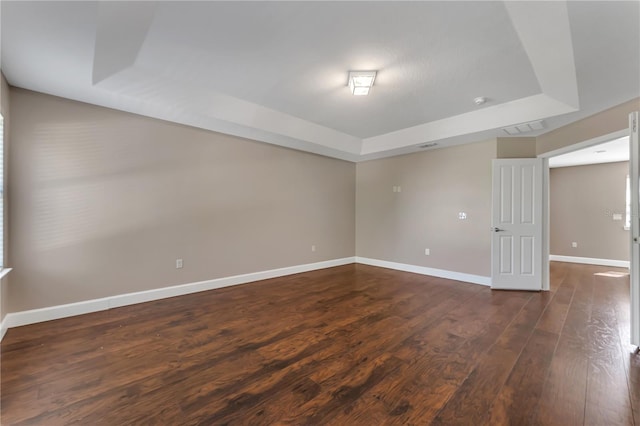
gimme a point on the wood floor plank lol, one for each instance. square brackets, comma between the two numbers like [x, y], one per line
[472, 400]
[512, 406]
[607, 399]
[619, 291]
[564, 391]
[438, 361]
[355, 345]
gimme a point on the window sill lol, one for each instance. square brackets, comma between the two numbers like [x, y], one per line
[4, 271]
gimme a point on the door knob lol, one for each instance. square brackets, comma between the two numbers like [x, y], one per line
[497, 229]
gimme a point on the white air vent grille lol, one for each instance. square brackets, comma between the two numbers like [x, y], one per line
[428, 145]
[524, 128]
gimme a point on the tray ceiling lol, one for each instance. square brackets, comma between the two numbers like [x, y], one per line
[277, 71]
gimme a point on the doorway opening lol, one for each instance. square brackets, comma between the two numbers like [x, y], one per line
[546, 157]
[590, 205]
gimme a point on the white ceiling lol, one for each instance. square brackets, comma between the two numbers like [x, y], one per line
[608, 152]
[277, 71]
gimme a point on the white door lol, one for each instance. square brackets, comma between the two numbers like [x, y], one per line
[516, 241]
[634, 176]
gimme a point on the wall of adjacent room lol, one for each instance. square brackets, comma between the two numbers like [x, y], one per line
[583, 200]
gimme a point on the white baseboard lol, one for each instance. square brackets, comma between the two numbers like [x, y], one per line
[33, 316]
[590, 261]
[17, 319]
[442, 273]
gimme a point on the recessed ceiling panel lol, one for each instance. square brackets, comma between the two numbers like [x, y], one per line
[433, 58]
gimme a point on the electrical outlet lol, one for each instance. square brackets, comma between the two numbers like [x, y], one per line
[427, 252]
[178, 263]
[574, 244]
[313, 248]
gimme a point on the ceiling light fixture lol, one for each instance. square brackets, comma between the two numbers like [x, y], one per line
[361, 81]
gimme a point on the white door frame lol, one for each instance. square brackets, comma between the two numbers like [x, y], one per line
[634, 264]
[545, 192]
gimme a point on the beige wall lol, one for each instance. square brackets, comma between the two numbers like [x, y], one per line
[516, 147]
[4, 110]
[103, 202]
[436, 186]
[601, 124]
[582, 201]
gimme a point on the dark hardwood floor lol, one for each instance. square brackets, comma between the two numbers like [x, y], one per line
[352, 345]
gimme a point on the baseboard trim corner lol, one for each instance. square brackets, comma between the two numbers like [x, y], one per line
[17, 319]
[424, 270]
[589, 261]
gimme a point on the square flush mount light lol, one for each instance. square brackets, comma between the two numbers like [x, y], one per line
[361, 81]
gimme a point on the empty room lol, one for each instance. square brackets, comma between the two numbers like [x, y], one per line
[319, 213]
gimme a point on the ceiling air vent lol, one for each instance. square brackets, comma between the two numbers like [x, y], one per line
[428, 145]
[524, 128]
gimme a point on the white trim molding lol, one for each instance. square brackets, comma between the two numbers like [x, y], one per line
[3, 324]
[424, 270]
[17, 319]
[589, 261]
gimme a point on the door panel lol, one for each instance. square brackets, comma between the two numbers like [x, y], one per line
[506, 195]
[527, 209]
[506, 251]
[517, 224]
